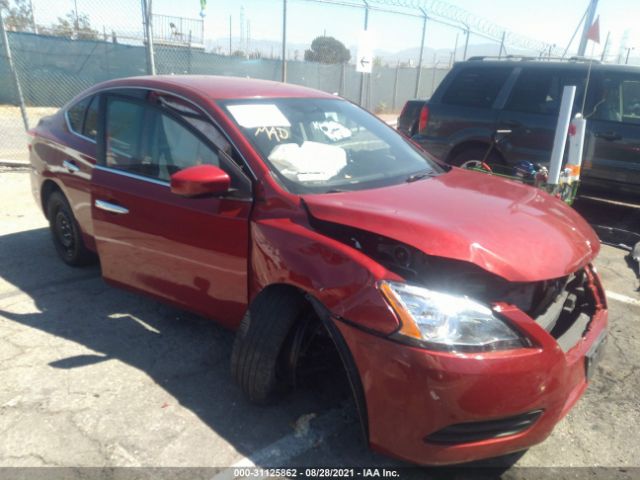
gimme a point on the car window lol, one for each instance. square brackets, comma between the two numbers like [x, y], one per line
[317, 145]
[617, 99]
[90, 126]
[75, 114]
[124, 124]
[147, 138]
[476, 87]
[173, 147]
[540, 91]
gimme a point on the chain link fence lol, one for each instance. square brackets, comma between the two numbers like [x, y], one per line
[61, 47]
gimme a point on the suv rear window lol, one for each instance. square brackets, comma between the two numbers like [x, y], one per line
[476, 87]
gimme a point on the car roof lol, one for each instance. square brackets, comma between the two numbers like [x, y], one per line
[219, 88]
[569, 65]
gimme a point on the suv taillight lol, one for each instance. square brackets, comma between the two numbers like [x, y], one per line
[424, 118]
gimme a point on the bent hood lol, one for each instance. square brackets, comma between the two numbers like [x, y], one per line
[512, 230]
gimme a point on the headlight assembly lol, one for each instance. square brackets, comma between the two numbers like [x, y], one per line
[447, 322]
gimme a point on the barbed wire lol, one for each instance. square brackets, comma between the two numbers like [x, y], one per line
[470, 22]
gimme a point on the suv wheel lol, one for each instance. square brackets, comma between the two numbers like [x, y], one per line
[472, 158]
[65, 232]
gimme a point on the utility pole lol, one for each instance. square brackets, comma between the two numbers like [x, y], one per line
[424, 31]
[591, 13]
[284, 41]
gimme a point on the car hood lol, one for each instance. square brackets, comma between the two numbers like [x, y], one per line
[512, 230]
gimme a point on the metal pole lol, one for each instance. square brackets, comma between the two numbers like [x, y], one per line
[14, 74]
[587, 25]
[148, 32]
[466, 43]
[504, 34]
[284, 41]
[33, 18]
[230, 27]
[628, 52]
[606, 46]
[455, 48]
[424, 31]
[366, 25]
[395, 88]
[77, 23]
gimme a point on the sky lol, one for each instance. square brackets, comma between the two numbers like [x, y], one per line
[551, 21]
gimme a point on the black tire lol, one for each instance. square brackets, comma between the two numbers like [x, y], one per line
[259, 342]
[476, 154]
[65, 232]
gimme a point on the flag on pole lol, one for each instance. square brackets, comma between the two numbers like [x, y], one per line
[203, 5]
[594, 31]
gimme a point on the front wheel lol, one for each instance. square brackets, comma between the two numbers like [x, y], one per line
[65, 232]
[473, 158]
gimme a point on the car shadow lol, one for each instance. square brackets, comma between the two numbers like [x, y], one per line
[186, 355]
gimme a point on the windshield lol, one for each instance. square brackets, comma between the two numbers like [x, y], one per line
[325, 145]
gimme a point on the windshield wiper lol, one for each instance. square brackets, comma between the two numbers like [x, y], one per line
[419, 176]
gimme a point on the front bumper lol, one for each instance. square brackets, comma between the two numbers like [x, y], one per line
[412, 394]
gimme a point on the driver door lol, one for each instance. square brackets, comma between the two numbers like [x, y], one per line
[191, 252]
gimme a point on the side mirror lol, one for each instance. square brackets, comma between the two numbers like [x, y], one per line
[200, 180]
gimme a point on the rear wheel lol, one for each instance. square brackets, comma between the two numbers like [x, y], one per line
[65, 232]
[473, 157]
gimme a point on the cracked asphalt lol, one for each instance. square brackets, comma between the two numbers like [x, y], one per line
[95, 376]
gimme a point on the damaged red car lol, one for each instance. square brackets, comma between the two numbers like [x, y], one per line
[465, 308]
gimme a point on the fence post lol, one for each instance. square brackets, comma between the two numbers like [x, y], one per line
[504, 33]
[395, 88]
[284, 41]
[466, 43]
[14, 74]
[366, 26]
[148, 33]
[424, 31]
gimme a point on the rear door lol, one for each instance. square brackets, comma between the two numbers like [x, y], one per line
[464, 109]
[612, 154]
[190, 251]
[531, 112]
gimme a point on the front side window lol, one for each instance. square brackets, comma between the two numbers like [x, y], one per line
[123, 137]
[476, 87]
[155, 140]
[322, 145]
[618, 99]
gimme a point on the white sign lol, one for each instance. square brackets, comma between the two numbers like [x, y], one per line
[364, 56]
[258, 115]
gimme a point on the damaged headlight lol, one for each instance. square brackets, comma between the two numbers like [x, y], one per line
[447, 322]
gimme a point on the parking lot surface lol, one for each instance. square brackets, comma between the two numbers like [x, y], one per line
[94, 376]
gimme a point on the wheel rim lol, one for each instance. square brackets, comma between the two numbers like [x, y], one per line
[64, 231]
[472, 164]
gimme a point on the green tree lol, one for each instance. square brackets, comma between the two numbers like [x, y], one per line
[327, 50]
[71, 27]
[18, 16]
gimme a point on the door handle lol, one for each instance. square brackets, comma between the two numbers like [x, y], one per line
[71, 166]
[511, 124]
[611, 136]
[111, 207]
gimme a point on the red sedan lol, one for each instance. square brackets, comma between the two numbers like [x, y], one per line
[464, 307]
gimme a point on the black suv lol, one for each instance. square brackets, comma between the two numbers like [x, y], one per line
[480, 96]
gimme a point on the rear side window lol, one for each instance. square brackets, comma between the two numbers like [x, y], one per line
[617, 99]
[90, 126]
[540, 92]
[75, 114]
[476, 87]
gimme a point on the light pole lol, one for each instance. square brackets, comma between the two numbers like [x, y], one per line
[628, 52]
